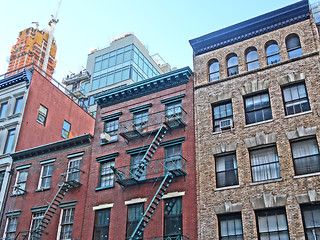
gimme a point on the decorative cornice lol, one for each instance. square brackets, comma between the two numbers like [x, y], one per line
[260, 139]
[269, 200]
[309, 197]
[143, 88]
[108, 157]
[254, 86]
[111, 116]
[68, 204]
[302, 132]
[292, 77]
[24, 76]
[137, 150]
[228, 207]
[173, 99]
[77, 154]
[253, 27]
[141, 108]
[172, 142]
[224, 147]
[79, 141]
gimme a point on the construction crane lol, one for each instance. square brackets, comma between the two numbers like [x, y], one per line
[52, 25]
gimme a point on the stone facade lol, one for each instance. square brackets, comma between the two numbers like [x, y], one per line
[247, 197]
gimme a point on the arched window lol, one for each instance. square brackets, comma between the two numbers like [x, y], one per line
[252, 58]
[214, 70]
[232, 64]
[293, 46]
[272, 52]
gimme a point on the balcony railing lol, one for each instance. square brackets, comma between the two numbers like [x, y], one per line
[173, 118]
[177, 165]
[175, 237]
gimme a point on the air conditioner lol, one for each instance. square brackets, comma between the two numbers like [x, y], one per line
[105, 137]
[226, 124]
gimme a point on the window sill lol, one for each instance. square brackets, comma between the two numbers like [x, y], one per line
[43, 124]
[258, 123]
[298, 114]
[105, 143]
[266, 181]
[103, 188]
[42, 189]
[307, 175]
[17, 194]
[223, 131]
[226, 188]
[14, 115]
[2, 119]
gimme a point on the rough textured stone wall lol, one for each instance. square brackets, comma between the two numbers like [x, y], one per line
[288, 191]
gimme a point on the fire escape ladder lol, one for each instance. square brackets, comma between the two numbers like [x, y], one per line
[137, 234]
[151, 150]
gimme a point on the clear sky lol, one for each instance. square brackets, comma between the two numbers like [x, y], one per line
[165, 26]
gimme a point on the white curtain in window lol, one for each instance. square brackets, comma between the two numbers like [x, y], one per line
[304, 148]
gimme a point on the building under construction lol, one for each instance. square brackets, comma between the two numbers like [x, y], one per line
[31, 48]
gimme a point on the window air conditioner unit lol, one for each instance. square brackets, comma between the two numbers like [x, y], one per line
[226, 124]
[105, 137]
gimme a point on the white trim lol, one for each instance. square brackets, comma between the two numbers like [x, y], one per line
[135, 200]
[102, 206]
[173, 194]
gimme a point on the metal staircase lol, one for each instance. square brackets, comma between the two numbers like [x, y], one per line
[137, 172]
[137, 234]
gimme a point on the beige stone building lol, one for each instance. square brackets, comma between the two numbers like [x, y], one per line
[257, 108]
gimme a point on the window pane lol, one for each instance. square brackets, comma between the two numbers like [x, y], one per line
[230, 226]
[9, 141]
[3, 109]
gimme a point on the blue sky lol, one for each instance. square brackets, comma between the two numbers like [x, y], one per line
[165, 27]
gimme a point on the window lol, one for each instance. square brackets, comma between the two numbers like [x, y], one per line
[140, 120]
[85, 87]
[173, 157]
[35, 222]
[106, 174]
[11, 227]
[101, 225]
[214, 70]
[42, 115]
[295, 99]
[21, 180]
[2, 173]
[173, 217]
[91, 101]
[9, 142]
[66, 224]
[136, 159]
[252, 59]
[293, 46]
[311, 221]
[230, 226]
[226, 170]
[222, 116]
[305, 155]
[46, 174]
[3, 109]
[135, 213]
[173, 110]
[232, 64]
[272, 52]
[74, 170]
[65, 129]
[111, 127]
[264, 164]
[257, 108]
[17, 106]
[272, 224]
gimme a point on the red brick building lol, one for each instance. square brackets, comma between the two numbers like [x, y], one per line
[145, 133]
[47, 189]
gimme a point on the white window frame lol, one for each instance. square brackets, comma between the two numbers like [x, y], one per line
[18, 192]
[7, 223]
[34, 218]
[60, 222]
[70, 172]
[41, 176]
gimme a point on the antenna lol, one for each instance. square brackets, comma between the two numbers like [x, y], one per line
[52, 25]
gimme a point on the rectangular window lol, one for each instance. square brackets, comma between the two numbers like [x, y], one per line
[173, 110]
[11, 227]
[46, 174]
[21, 180]
[226, 170]
[111, 127]
[230, 226]
[135, 161]
[101, 225]
[74, 170]
[9, 142]
[2, 173]
[65, 129]
[42, 115]
[35, 222]
[135, 213]
[3, 109]
[264, 164]
[222, 116]
[106, 174]
[272, 224]
[140, 120]
[295, 99]
[305, 155]
[17, 106]
[66, 224]
[173, 157]
[258, 108]
[311, 221]
[173, 217]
